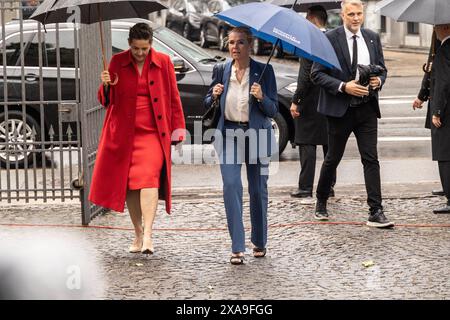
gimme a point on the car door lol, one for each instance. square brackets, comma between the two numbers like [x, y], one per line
[66, 65]
[13, 64]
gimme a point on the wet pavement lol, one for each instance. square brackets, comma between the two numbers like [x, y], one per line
[342, 259]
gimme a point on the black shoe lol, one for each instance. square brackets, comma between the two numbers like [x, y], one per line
[331, 194]
[445, 209]
[301, 193]
[321, 212]
[377, 219]
[438, 193]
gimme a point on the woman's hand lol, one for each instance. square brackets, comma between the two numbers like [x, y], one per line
[106, 78]
[256, 91]
[217, 91]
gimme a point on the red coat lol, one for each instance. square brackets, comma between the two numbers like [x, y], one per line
[110, 177]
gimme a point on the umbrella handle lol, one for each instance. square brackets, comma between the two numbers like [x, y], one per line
[427, 67]
[112, 83]
[105, 64]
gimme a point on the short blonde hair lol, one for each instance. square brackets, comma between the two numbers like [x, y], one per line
[346, 2]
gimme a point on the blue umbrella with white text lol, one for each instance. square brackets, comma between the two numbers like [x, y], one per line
[283, 26]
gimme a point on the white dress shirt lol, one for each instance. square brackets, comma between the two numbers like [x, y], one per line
[363, 51]
[236, 101]
[445, 40]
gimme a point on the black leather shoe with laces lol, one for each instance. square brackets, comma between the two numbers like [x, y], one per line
[321, 212]
[377, 219]
[438, 193]
[301, 193]
[444, 209]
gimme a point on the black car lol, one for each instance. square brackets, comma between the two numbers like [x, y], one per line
[184, 17]
[193, 68]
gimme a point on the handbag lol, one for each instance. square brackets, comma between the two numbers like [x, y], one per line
[210, 119]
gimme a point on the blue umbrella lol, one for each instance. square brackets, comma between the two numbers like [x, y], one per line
[283, 26]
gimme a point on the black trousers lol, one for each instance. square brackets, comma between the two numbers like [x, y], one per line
[363, 122]
[444, 173]
[308, 166]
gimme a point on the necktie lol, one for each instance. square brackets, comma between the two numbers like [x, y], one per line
[355, 57]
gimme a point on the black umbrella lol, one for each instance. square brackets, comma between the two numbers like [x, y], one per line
[92, 11]
[430, 11]
[303, 5]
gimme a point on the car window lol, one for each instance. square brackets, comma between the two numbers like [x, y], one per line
[13, 50]
[233, 3]
[66, 48]
[181, 45]
[120, 43]
[179, 5]
[334, 19]
[211, 6]
[216, 6]
[195, 6]
[169, 43]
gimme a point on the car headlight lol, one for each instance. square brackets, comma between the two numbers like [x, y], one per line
[291, 87]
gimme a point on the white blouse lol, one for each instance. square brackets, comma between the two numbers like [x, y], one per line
[236, 102]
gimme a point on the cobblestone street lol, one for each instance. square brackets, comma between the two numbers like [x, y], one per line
[306, 259]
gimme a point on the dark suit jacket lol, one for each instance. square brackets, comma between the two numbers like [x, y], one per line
[424, 93]
[331, 101]
[311, 126]
[440, 103]
[260, 113]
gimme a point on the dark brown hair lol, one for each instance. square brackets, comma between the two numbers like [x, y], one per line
[141, 31]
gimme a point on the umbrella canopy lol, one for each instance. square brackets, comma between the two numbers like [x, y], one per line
[303, 5]
[92, 11]
[284, 26]
[429, 11]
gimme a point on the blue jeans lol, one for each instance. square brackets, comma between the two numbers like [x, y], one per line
[232, 192]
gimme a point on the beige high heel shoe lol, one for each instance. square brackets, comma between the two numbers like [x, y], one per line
[136, 247]
[147, 246]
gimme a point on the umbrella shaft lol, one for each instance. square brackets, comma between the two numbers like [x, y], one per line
[268, 61]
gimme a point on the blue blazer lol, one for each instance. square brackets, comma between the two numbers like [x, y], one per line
[260, 113]
[331, 101]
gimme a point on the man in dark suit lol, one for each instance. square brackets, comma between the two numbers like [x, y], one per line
[310, 126]
[440, 110]
[424, 92]
[351, 107]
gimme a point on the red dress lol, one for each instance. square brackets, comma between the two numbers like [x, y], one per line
[147, 158]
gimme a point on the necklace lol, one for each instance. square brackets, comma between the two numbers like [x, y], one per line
[240, 74]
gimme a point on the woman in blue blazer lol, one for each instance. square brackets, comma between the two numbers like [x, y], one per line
[244, 134]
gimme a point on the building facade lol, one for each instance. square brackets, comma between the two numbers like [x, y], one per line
[398, 34]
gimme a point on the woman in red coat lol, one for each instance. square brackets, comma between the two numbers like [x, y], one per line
[144, 117]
